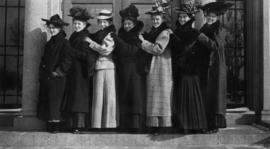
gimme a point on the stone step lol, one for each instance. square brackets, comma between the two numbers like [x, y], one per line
[240, 116]
[236, 137]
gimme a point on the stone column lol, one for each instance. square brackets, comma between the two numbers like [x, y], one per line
[266, 62]
[35, 37]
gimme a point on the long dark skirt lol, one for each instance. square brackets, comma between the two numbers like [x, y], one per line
[216, 100]
[132, 95]
[50, 98]
[189, 111]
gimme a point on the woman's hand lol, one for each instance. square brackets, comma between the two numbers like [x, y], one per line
[55, 74]
[87, 39]
[141, 37]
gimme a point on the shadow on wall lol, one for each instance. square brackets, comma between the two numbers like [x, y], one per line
[265, 142]
[34, 44]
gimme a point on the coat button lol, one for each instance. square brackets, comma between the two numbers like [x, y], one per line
[43, 66]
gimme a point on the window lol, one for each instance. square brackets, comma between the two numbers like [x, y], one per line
[234, 23]
[11, 52]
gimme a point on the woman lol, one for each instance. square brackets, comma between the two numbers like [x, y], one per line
[53, 68]
[159, 67]
[189, 65]
[104, 113]
[217, 76]
[131, 81]
[78, 87]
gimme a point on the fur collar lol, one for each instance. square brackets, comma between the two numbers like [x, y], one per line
[81, 34]
[153, 34]
[59, 36]
[188, 24]
[101, 34]
[186, 32]
[211, 30]
[134, 31]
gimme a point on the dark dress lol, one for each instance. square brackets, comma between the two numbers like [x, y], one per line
[131, 82]
[188, 59]
[217, 78]
[55, 59]
[79, 86]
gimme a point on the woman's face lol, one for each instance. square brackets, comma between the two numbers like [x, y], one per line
[128, 25]
[211, 18]
[157, 20]
[79, 25]
[103, 23]
[183, 18]
[54, 30]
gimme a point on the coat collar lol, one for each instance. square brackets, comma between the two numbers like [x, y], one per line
[134, 31]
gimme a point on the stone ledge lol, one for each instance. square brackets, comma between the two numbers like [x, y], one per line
[238, 136]
[28, 123]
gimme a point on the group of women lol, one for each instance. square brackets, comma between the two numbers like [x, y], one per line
[132, 81]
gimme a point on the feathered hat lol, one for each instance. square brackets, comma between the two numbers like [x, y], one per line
[55, 20]
[218, 8]
[79, 13]
[189, 8]
[161, 7]
[131, 12]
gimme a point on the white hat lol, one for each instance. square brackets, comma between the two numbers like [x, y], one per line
[104, 14]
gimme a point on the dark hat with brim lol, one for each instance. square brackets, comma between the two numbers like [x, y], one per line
[130, 12]
[79, 13]
[55, 20]
[155, 11]
[218, 8]
[188, 9]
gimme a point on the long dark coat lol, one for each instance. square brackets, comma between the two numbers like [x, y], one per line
[217, 77]
[79, 86]
[55, 59]
[131, 82]
[189, 71]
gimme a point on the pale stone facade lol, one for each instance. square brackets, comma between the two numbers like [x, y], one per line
[266, 61]
[35, 38]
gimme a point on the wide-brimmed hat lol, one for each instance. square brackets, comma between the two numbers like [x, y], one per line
[218, 8]
[160, 7]
[55, 20]
[104, 14]
[155, 11]
[79, 13]
[130, 12]
[189, 9]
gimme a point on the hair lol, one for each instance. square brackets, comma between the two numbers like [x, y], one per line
[208, 12]
[134, 20]
[163, 15]
[74, 19]
[110, 20]
[55, 25]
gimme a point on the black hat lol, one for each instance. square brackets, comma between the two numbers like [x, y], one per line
[79, 13]
[189, 9]
[55, 20]
[160, 7]
[155, 10]
[130, 12]
[218, 8]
